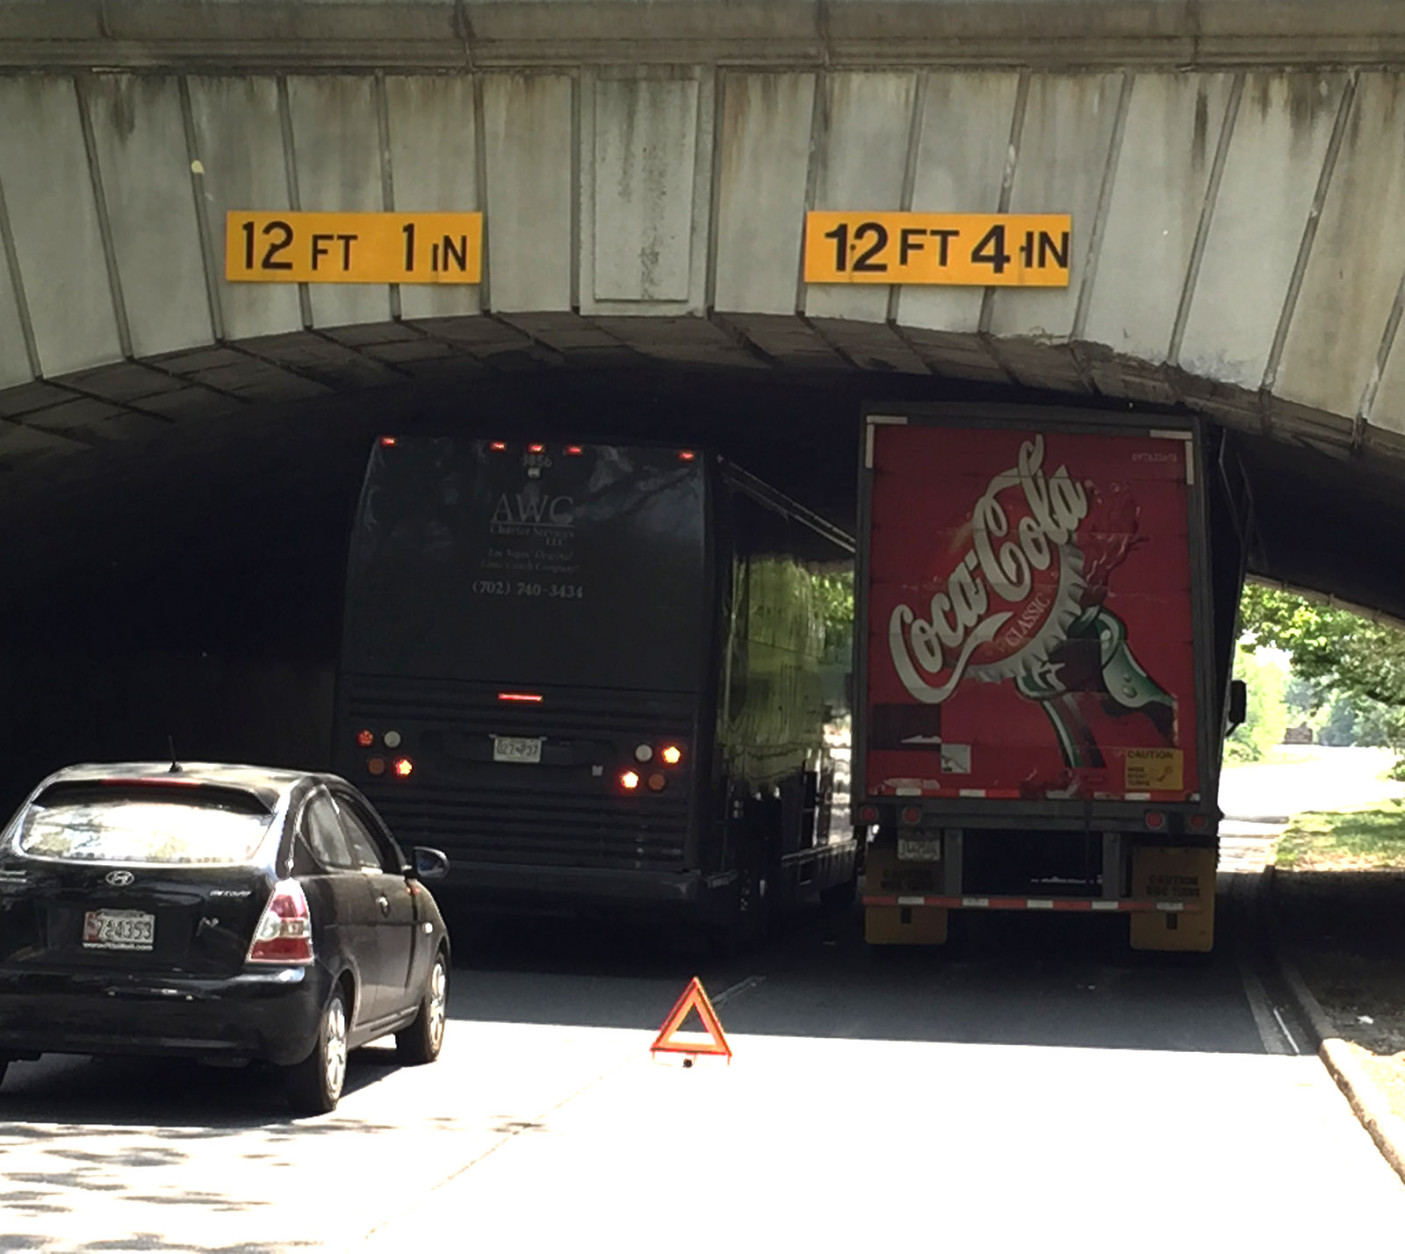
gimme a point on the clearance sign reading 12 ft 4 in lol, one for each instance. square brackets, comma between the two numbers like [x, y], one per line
[263, 247]
[967, 249]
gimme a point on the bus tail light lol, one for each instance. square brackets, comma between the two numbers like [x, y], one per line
[912, 815]
[365, 738]
[868, 815]
[629, 780]
[284, 933]
[657, 781]
[375, 766]
[1155, 820]
[671, 755]
[404, 768]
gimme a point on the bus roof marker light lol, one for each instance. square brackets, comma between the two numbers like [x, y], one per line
[388, 441]
[536, 448]
[687, 455]
[498, 446]
[574, 450]
[629, 780]
[532, 697]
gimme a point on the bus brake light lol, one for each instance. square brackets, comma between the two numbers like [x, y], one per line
[629, 781]
[404, 767]
[672, 755]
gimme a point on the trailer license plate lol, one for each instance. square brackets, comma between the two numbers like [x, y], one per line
[118, 929]
[919, 848]
[517, 748]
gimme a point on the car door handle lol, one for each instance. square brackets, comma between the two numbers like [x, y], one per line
[384, 904]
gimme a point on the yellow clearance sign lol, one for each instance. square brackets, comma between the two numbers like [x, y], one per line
[264, 247]
[965, 249]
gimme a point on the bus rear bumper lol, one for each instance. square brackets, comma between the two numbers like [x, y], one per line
[569, 890]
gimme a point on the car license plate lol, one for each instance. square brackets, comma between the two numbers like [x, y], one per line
[919, 848]
[118, 929]
[517, 748]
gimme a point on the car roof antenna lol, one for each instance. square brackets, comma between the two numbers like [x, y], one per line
[175, 768]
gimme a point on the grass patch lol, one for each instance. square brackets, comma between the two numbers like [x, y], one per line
[1354, 840]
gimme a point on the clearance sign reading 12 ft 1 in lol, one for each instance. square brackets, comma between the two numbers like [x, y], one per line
[262, 247]
[967, 249]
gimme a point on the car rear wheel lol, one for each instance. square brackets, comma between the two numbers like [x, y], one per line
[315, 1084]
[424, 1038]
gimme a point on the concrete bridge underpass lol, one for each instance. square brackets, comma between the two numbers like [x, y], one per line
[1234, 174]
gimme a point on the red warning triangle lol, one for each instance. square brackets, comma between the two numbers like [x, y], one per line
[693, 999]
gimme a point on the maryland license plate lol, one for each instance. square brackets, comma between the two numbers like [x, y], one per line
[118, 929]
[517, 748]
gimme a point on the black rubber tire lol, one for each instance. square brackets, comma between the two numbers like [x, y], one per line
[315, 1084]
[424, 1038]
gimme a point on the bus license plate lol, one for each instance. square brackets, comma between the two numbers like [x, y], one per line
[517, 748]
[118, 929]
[919, 848]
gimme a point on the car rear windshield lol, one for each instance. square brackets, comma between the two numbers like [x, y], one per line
[89, 822]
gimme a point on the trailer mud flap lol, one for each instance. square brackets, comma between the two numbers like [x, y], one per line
[885, 875]
[1175, 875]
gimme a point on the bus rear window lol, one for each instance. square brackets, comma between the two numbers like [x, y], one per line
[536, 567]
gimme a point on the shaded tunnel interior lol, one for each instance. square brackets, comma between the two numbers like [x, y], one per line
[186, 587]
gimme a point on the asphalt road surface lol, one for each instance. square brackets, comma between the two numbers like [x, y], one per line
[1040, 1088]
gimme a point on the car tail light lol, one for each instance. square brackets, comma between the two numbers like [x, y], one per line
[629, 780]
[404, 768]
[671, 755]
[365, 738]
[284, 933]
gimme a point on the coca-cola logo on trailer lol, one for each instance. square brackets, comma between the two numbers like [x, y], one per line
[1004, 599]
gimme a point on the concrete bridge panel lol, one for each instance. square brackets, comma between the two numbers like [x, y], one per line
[1169, 139]
[139, 134]
[44, 168]
[862, 139]
[1358, 257]
[961, 160]
[1388, 410]
[763, 163]
[645, 147]
[1063, 150]
[1281, 136]
[530, 150]
[336, 163]
[14, 354]
[433, 130]
[239, 145]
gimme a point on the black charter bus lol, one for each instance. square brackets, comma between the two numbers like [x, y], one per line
[599, 678]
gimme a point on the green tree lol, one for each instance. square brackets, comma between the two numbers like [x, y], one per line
[1266, 677]
[1341, 654]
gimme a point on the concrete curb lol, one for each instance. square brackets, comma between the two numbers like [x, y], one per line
[1387, 1130]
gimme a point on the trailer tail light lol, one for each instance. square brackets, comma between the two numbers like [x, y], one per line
[868, 815]
[365, 738]
[284, 933]
[671, 755]
[404, 768]
[1155, 820]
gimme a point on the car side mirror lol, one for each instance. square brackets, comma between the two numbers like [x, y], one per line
[429, 864]
[1238, 703]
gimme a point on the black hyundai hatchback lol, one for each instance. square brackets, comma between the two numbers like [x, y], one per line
[216, 912]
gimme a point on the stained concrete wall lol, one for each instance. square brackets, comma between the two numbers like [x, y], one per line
[1236, 227]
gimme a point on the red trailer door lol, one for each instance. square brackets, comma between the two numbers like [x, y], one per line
[1030, 615]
